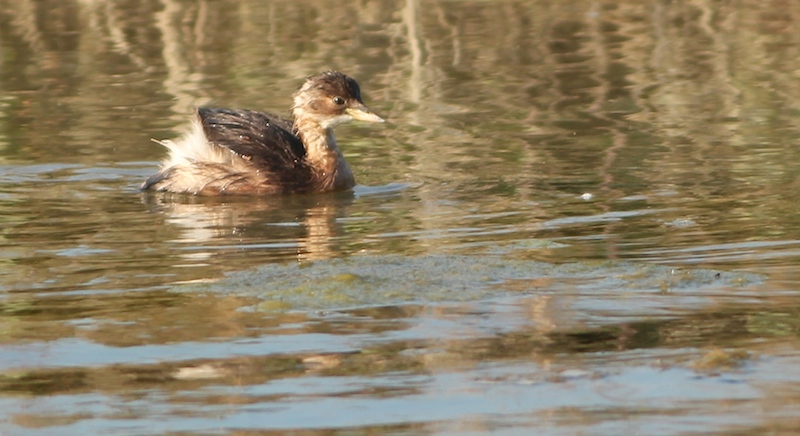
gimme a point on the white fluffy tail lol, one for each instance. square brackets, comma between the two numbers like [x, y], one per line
[194, 147]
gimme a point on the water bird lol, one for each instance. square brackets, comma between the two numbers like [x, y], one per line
[235, 151]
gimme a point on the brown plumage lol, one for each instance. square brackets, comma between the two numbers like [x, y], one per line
[233, 151]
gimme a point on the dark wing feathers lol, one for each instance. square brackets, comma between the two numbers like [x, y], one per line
[275, 157]
[265, 140]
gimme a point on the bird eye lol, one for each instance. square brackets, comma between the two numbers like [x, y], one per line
[338, 100]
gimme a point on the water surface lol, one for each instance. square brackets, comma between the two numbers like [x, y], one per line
[580, 218]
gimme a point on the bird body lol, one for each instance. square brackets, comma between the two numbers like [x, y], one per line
[234, 151]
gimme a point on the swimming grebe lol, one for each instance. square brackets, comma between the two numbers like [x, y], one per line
[232, 151]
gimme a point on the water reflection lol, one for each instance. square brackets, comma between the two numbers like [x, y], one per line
[306, 224]
[359, 371]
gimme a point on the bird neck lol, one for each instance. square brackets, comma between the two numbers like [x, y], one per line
[323, 154]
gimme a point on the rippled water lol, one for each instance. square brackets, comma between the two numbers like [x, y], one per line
[580, 219]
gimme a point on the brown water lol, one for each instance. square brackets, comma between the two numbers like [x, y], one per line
[580, 219]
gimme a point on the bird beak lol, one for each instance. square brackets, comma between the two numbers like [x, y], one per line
[363, 113]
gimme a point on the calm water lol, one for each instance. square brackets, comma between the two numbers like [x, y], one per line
[581, 218]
